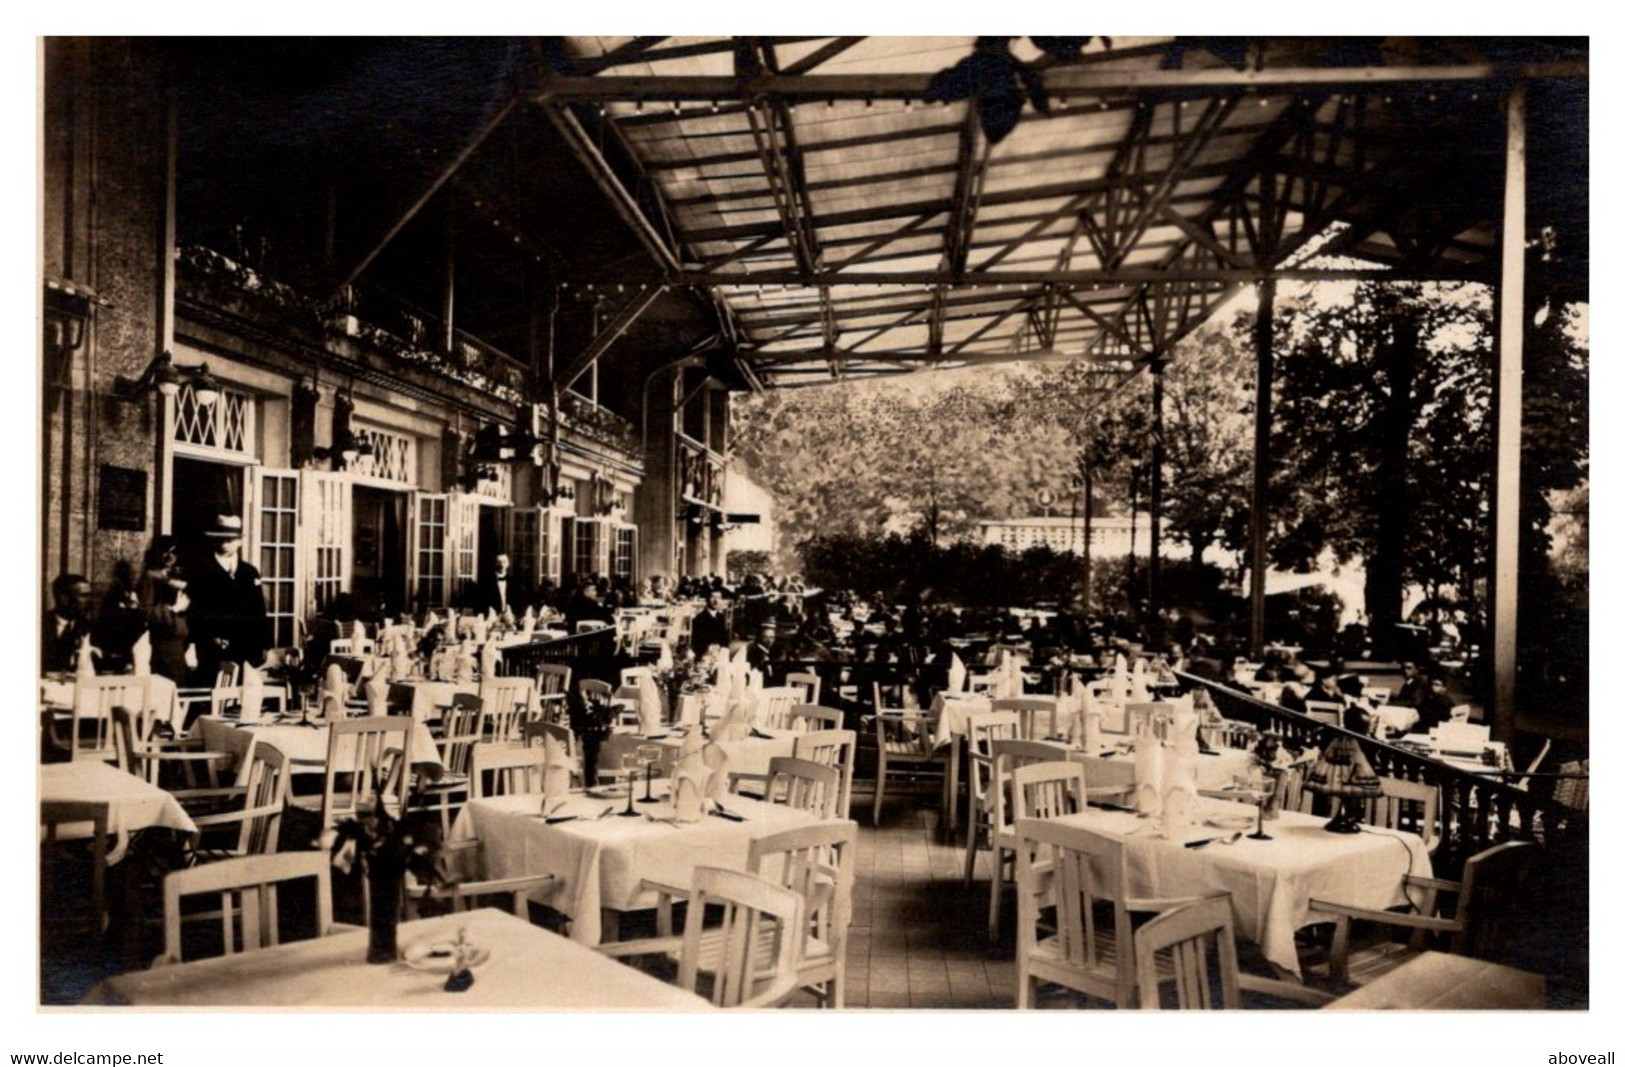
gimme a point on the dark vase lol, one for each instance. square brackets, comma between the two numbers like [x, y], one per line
[591, 743]
[384, 881]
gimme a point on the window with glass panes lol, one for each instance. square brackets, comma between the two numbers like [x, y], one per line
[626, 548]
[431, 587]
[583, 557]
[279, 514]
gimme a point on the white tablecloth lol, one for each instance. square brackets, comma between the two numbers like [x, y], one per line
[601, 863]
[428, 697]
[162, 698]
[1212, 771]
[529, 967]
[305, 744]
[953, 716]
[1270, 882]
[133, 803]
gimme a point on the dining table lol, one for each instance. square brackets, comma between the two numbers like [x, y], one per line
[133, 803]
[1270, 882]
[1440, 981]
[59, 692]
[302, 741]
[524, 967]
[748, 755]
[601, 860]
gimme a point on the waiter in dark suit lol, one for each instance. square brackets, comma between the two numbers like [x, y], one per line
[761, 652]
[496, 591]
[228, 608]
[65, 623]
[710, 626]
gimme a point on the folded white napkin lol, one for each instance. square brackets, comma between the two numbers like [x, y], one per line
[716, 763]
[1178, 788]
[650, 712]
[400, 661]
[1148, 764]
[689, 778]
[555, 768]
[489, 655]
[740, 660]
[958, 676]
[464, 669]
[334, 692]
[85, 663]
[1182, 731]
[141, 655]
[1120, 680]
[664, 662]
[377, 691]
[736, 722]
[253, 698]
[430, 621]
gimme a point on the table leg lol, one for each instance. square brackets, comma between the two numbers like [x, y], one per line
[609, 927]
[950, 786]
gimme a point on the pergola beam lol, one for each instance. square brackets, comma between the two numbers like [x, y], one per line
[1090, 276]
[611, 332]
[1058, 81]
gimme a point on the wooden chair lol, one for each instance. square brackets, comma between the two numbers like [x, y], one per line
[777, 702]
[810, 683]
[462, 729]
[144, 754]
[357, 775]
[1491, 885]
[903, 744]
[91, 728]
[56, 814]
[1573, 788]
[552, 685]
[593, 689]
[1405, 805]
[1047, 790]
[1007, 756]
[506, 704]
[1193, 947]
[832, 748]
[1090, 947]
[1036, 716]
[982, 728]
[462, 884]
[811, 717]
[258, 821]
[758, 942]
[816, 862]
[248, 889]
[512, 770]
[801, 784]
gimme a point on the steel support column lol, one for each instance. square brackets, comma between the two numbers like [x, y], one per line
[1258, 555]
[1508, 430]
[1154, 571]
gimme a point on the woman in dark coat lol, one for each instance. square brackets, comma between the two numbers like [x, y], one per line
[166, 629]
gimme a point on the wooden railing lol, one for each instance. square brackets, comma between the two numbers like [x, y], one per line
[1476, 811]
[589, 655]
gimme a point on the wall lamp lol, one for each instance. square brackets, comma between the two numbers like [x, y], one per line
[167, 376]
[348, 446]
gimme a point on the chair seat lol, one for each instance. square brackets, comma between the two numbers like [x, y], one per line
[444, 782]
[909, 750]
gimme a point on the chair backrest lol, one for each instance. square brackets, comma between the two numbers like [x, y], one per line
[1185, 945]
[832, 748]
[777, 701]
[133, 742]
[511, 769]
[982, 728]
[1492, 897]
[506, 703]
[760, 938]
[355, 753]
[805, 785]
[1324, 711]
[265, 794]
[1293, 796]
[537, 733]
[1036, 715]
[462, 724]
[816, 862]
[1405, 805]
[630, 676]
[1086, 869]
[593, 689]
[1006, 756]
[893, 696]
[342, 646]
[1047, 790]
[552, 679]
[94, 734]
[1574, 789]
[229, 675]
[810, 683]
[812, 717]
[253, 879]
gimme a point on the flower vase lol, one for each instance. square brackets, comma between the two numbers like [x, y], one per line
[591, 744]
[384, 882]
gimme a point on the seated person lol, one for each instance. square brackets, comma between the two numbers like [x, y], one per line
[65, 623]
[1433, 708]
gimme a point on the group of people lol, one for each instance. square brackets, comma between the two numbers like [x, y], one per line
[195, 615]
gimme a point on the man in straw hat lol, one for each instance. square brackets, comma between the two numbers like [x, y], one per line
[228, 609]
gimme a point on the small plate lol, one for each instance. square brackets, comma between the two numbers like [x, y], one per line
[1233, 821]
[437, 957]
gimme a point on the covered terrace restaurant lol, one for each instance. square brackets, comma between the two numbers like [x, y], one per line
[437, 338]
